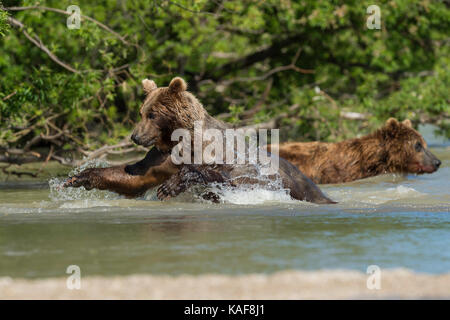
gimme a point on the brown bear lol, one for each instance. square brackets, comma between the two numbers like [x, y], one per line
[395, 148]
[163, 111]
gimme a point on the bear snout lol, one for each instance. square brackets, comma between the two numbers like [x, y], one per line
[135, 138]
[430, 162]
[437, 163]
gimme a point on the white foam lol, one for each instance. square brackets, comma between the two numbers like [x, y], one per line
[247, 194]
[402, 190]
[254, 196]
[83, 204]
[373, 194]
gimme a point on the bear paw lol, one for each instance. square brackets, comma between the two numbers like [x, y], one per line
[166, 192]
[85, 179]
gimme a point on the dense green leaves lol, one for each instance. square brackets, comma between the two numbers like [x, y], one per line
[3, 23]
[241, 58]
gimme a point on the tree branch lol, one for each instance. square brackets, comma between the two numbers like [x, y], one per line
[37, 42]
[101, 25]
[248, 60]
[290, 66]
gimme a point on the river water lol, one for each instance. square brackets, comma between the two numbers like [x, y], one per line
[389, 221]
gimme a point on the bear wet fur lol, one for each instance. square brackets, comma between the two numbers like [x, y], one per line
[394, 148]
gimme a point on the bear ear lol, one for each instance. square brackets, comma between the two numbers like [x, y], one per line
[177, 85]
[391, 128]
[392, 122]
[407, 123]
[148, 85]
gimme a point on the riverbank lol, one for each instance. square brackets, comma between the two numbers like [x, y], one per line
[337, 284]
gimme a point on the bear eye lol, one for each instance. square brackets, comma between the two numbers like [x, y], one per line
[418, 146]
[151, 115]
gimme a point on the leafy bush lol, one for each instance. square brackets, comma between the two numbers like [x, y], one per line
[3, 23]
[302, 64]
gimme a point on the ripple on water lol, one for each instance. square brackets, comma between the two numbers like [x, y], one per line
[372, 195]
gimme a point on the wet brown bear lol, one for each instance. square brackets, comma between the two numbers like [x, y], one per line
[395, 148]
[164, 110]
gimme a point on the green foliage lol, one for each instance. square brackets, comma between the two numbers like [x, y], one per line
[228, 51]
[3, 24]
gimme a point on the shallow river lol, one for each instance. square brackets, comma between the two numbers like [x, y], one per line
[389, 221]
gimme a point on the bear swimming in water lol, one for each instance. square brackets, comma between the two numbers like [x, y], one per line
[394, 148]
[163, 111]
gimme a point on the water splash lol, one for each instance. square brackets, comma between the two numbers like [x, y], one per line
[267, 189]
[59, 193]
[252, 195]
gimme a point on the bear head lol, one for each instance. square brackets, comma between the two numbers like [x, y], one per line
[164, 110]
[406, 150]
